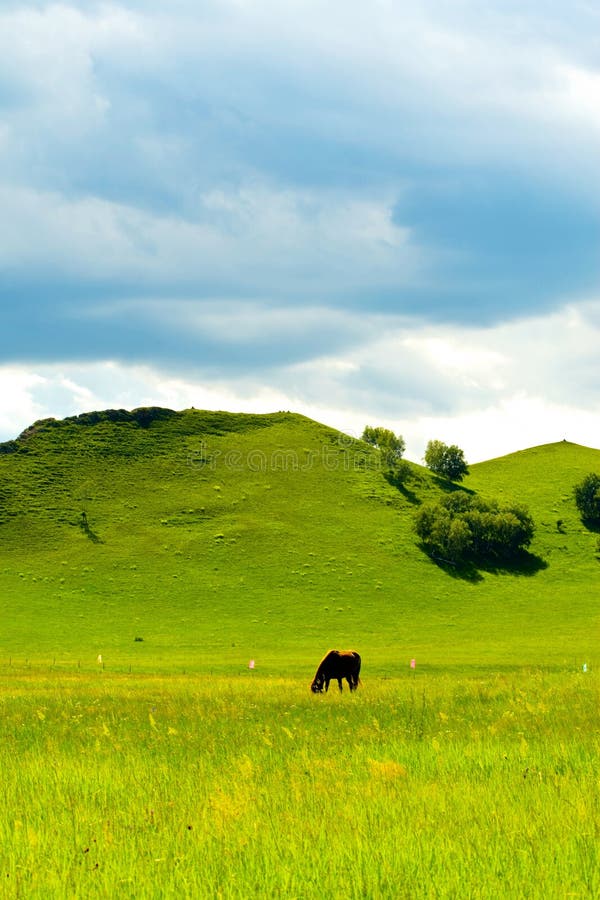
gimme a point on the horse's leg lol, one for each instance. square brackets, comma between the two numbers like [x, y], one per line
[340, 684]
[326, 685]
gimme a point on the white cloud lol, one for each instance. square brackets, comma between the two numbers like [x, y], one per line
[18, 406]
[48, 59]
[62, 390]
[490, 391]
[193, 150]
[383, 76]
[513, 423]
[253, 236]
[97, 83]
[457, 357]
[578, 95]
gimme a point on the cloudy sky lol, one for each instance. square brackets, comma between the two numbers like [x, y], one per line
[369, 212]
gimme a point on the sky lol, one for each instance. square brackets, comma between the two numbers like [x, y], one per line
[377, 213]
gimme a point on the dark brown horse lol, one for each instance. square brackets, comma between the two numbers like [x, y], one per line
[337, 664]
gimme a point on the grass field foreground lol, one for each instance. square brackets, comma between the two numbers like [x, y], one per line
[142, 786]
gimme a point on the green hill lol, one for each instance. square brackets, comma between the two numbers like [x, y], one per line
[198, 540]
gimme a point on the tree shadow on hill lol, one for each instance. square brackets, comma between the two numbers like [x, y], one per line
[398, 480]
[450, 487]
[400, 477]
[522, 563]
[592, 525]
[85, 527]
[463, 571]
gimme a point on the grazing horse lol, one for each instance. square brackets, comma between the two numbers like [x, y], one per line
[337, 664]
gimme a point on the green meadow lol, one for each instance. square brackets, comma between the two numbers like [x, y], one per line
[217, 786]
[145, 558]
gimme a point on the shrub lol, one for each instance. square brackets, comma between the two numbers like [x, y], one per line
[9, 447]
[587, 498]
[462, 527]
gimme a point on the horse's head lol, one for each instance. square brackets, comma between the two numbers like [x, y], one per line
[317, 685]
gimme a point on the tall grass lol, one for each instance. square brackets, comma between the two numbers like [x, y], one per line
[242, 787]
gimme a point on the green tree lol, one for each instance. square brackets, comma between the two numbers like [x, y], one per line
[462, 527]
[391, 445]
[587, 498]
[446, 460]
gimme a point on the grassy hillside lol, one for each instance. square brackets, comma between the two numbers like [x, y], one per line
[198, 540]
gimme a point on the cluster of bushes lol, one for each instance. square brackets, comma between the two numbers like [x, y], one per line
[463, 527]
[143, 416]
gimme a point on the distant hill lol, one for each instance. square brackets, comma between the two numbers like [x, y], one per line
[196, 540]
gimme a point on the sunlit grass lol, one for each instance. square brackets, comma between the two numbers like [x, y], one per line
[213, 564]
[169, 769]
[248, 786]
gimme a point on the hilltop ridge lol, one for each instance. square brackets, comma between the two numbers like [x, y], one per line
[213, 421]
[217, 421]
